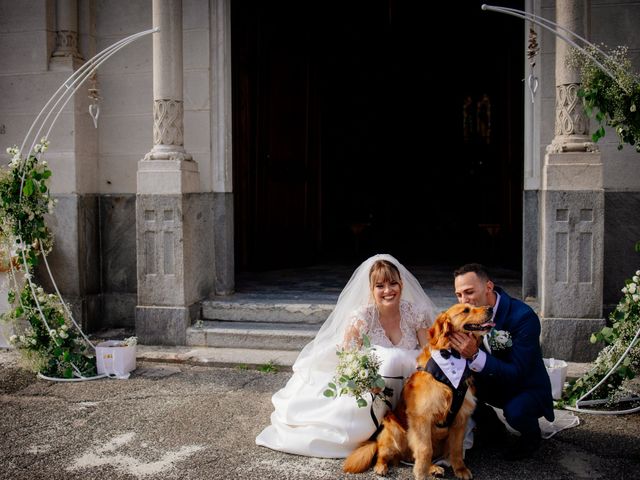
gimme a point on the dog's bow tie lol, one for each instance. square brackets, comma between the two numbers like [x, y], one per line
[449, 353]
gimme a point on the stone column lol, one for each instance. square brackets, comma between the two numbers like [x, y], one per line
[66, 51]
[221, 142]
[168, 168]
[572, 215]
[173, 220]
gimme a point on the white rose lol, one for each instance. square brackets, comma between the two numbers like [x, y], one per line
[13, 338]
[632, 288]
[624, 290]
[636, 297]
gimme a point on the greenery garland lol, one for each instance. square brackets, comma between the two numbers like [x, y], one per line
[44, 330]
[625, 322]
[614, 102]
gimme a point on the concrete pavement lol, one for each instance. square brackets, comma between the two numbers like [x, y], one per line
[182, 420]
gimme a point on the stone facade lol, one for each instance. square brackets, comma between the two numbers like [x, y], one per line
[549, 121]
[98, 258]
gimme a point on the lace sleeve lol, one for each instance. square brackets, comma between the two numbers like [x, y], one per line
[418, 317]
[356, 327]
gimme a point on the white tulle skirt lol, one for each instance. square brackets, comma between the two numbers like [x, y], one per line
[305, 422]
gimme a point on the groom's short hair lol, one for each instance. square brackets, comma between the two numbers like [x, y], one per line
[477, 268]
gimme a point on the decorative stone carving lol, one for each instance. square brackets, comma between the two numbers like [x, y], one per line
[168, 126]
[66, 41]
[571, 124]
[158, 236]
[561, 145]
[570, 116]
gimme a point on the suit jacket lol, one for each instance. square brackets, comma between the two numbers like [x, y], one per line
[509, 372]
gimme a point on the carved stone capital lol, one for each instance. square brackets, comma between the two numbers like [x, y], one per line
[168, 128]
[66, 44]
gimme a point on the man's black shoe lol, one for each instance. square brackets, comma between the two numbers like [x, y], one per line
[523, 447]
[489, 428]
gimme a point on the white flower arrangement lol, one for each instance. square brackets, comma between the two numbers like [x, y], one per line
[130, 342]
[499, 339]
[357, 374]
[619, 339]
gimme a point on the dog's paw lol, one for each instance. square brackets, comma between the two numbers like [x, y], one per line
[436, 470]
[464, 473]
[381, 469]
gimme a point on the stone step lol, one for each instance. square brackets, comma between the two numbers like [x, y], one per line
[266, 310]
[210, 356]
[251, 335]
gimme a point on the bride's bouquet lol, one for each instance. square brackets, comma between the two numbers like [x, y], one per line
[357, 374]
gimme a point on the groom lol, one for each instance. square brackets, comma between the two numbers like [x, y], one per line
[509, 374]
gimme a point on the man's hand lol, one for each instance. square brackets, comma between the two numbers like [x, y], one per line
[465, 343]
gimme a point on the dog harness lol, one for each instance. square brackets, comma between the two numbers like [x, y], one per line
[458, 393]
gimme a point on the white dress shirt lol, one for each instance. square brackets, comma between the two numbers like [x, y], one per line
[479, 362]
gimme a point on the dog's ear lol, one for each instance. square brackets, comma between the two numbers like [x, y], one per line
[439, 331]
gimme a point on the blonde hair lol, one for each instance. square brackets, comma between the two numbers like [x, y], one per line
[383, 271]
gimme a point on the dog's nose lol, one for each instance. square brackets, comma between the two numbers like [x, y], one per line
[490, 310]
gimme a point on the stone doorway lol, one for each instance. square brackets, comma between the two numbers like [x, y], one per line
[337, 112]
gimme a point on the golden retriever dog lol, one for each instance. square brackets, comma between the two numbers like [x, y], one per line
[425, 424]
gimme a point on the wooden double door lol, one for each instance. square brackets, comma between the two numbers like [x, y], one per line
[342, 112]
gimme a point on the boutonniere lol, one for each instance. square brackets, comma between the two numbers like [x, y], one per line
[499, 339]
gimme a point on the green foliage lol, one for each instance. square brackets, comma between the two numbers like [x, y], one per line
[614, 102]
[51, 350]
[44, 332]
[269, 367]
[624, 324]
[22, 218]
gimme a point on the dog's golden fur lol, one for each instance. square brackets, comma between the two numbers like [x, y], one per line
[412, 431]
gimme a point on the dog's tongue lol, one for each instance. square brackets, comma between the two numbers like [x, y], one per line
[488, 325]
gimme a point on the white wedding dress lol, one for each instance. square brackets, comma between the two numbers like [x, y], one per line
[305, 422]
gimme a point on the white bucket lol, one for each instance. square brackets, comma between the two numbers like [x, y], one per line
[557, 370]
[115, 359]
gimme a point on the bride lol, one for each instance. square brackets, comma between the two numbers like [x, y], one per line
[385, 302]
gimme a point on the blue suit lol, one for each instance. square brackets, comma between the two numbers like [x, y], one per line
[515, 378]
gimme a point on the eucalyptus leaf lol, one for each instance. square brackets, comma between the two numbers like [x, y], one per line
[27, 189]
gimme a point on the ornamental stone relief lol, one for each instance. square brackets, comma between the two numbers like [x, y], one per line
[570, 116]
[66, 43]
[167, 122]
